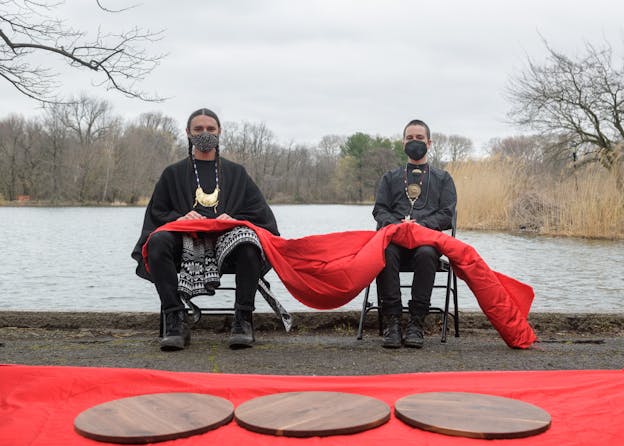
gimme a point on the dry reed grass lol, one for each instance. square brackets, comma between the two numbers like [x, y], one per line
[498, 194]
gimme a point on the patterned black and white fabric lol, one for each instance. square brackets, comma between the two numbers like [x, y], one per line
[199, 272]
[203, 261]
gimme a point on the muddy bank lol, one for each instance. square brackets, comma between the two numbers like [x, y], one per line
[322, 343]
[544, 323]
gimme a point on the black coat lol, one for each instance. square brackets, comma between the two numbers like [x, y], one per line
[434, 208]
[174, 195]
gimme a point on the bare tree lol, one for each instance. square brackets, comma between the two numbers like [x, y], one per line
[326, 156]
[345, 181]
[93, 131]
[581, 100]
[329, 145]
[459, 147]
[449, 148]
[378, 162]
[145, 148]
[12, 131]
[56, 163]
[29, 30]
[298, 174]
[166, 131]
[251, 144]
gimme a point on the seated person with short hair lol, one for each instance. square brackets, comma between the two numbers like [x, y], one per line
[416, 193]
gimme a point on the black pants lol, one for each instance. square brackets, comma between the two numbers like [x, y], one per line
[164, 257]
[424, 262]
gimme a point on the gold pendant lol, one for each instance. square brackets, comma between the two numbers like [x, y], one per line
[413, 191]
[206, 200]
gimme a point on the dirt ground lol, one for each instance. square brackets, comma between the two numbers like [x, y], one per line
[320, 343]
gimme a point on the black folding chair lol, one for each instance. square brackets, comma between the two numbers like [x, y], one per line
[196, 311]
[450, 288]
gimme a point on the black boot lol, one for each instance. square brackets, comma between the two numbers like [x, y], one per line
[414, 332]
[242, 334]
[176, 331]
[414, 335]
[392, 331]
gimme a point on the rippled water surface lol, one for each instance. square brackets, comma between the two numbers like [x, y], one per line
[79, 259]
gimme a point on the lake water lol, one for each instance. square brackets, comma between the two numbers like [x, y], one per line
[78, 259]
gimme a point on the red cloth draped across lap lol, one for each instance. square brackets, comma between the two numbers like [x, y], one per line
[327, 271]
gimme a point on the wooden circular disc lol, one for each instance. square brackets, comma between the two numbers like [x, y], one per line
[309, 414]
[154, 417]
[472, 415]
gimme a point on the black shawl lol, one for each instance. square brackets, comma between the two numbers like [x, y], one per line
[174, 195]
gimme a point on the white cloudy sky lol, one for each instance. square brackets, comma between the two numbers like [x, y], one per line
[311, 68]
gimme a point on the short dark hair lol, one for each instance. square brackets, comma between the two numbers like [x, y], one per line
[418, 122]
[205, 112]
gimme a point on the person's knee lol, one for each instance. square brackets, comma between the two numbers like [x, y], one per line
[160, 243]
[392, 251]
[426, 254]
[248, 254]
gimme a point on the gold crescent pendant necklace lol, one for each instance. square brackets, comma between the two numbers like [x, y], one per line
[210, 200]
[206, 200]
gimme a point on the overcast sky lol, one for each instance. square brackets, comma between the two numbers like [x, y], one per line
[312, 68]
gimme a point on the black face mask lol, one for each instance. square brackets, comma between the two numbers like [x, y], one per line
[416, 149]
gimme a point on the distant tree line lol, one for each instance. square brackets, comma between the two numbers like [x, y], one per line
[81, 152]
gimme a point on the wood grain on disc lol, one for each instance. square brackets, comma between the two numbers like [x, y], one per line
[472, 415]
[307, 414]
[154, 417]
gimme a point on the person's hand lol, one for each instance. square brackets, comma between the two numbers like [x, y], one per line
[411, 220]
[192, 215]
[225, 217]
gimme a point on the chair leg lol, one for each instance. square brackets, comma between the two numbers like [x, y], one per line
[379, 315]
[363, 313]
[161, 328]
[456, 308]
[446, 306]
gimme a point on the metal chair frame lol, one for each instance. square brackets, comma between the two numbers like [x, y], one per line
[451, 289]
[195, 312]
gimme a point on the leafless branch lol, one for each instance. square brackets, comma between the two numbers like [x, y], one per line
[581, 98]
[26, 30]
[103, 8]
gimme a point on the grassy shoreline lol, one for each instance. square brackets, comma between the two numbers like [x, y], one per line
[505, 195]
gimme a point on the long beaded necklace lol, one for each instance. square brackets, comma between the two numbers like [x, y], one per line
[207, 200]
[413, 191]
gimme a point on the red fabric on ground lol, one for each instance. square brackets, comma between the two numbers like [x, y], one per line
[327, 271]
[38, 404]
